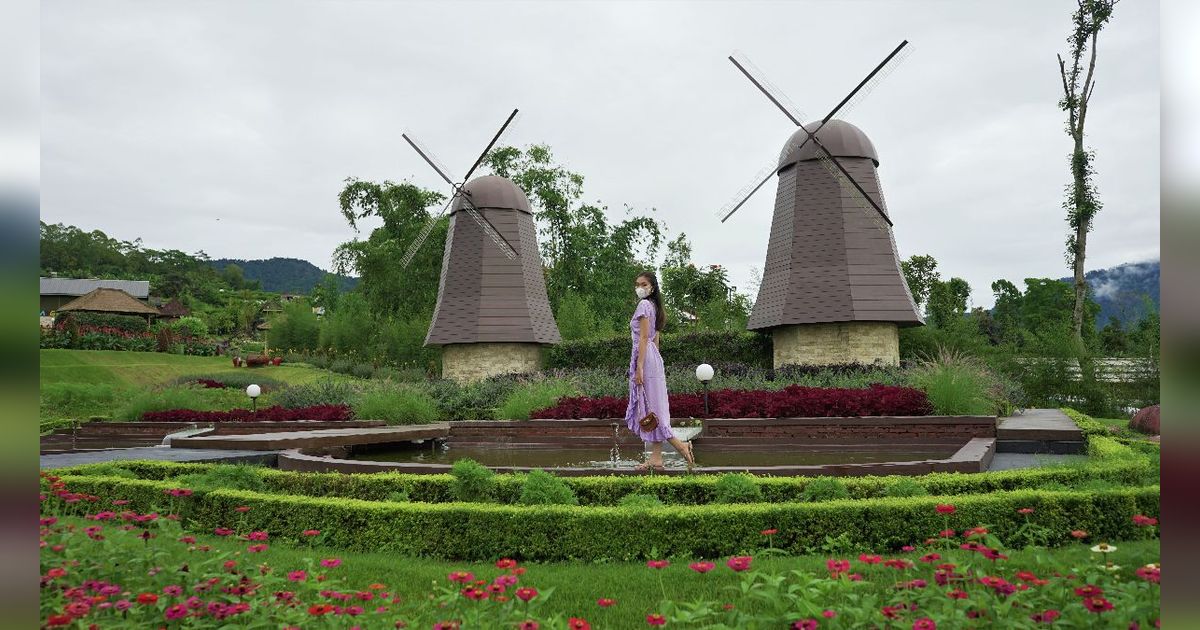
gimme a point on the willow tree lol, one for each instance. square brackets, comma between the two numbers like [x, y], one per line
[1082, 201]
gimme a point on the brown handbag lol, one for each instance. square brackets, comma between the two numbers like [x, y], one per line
[648, 422]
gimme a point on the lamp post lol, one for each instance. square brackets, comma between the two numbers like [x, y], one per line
[704, 374]
[253, 392]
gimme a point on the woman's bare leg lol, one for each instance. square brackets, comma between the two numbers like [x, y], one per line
[684, 448]
[656, 454]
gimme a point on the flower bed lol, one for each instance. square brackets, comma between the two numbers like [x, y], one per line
[325, 413]
[791, 402]
[609, 490]
[481, 531]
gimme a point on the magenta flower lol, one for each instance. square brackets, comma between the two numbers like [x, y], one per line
[297, 576]
[177, 611]
[525, 593]
[702, 567]
[739, 563]
[330, 563]
[657, 564]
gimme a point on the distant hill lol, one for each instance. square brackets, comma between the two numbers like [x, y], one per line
[1119, 290]
[283, 275]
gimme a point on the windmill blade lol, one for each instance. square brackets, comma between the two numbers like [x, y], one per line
[429, 158]
[415, 246]
[773, 93]
[487, 226]
[860, 196]
[745, 192]
[865, 86]
[511, 118]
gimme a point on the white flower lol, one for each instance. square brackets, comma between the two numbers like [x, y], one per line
[1104, 548]
[1113, 567]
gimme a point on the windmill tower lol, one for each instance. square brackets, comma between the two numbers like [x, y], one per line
[832, 291]
[492, 315]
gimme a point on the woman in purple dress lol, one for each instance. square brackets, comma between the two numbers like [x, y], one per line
[648, 378]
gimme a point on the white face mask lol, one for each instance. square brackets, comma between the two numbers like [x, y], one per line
[642, 292]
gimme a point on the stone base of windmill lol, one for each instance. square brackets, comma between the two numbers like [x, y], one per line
[470, 362]
[868, 343]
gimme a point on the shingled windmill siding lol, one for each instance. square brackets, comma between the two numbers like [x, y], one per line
[492, 314]
[832, 290]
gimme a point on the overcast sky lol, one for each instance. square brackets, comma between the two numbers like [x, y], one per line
[229, 127]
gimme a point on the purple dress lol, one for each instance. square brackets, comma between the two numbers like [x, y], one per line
[654, 377]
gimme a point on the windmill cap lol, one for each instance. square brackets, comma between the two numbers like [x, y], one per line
[840, 137]
[493, 191]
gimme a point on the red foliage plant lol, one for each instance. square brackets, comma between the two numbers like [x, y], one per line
[326, 413]
[793, 401]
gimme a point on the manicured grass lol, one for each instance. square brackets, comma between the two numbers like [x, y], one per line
[577, 586]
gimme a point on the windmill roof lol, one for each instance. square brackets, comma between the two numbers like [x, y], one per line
[493, 191]
[840, 137]
[104, 300]
[175, 308]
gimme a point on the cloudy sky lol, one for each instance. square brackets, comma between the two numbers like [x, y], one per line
[229, 127]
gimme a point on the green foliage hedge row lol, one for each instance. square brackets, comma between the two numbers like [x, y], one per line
[469, 531]
[690, 348]
[690, 490]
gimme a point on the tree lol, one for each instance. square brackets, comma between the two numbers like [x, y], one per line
[403, 208]
[920, 272]
[948, 301]
[1006, 315]
[1082, 201]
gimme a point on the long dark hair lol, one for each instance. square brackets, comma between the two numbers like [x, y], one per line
[656, 298]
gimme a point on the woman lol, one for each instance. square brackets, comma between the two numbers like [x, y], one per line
[648, 378]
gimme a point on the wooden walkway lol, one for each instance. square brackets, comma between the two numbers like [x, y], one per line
[1039, 431]
[315, 439]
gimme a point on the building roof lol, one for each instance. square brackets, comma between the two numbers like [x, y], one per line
[105, 300]
[840, 137]
[492, 191]
[139, 289]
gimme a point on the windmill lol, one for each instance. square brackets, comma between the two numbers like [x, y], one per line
[492, 314]
[832, 290]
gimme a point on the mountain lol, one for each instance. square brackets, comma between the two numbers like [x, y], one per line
[283, 275]
[1120, 290]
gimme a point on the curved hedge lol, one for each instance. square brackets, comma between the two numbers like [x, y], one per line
[609, 490]
[690, 348]
[464, 531]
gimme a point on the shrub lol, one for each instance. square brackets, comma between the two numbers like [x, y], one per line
[79, 400]
[127, 323]
[523, 400]
[190, 397]
[396, 405]
[543, 488]
[736, 488]
[233, 380]
[189, 327]
[825, 489]
[297, 328]
[640, 501]
[905, 487]
[362, 370]
[956, 385]
[341, 366]
[473, 482]
[472, 401]
[685, 349]
[559, 532]
[224, 476]
[323, 392]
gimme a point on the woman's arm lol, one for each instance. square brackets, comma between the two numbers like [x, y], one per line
[643, 337]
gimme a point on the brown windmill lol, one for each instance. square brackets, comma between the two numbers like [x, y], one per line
[492, 315]
[832, 290]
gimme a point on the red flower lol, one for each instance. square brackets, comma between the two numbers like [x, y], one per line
[1079, 534]
[330, 563]
[528, 624]
[930, 557]
[891, 612]
[829, 614]
[1089, 590]
[1045, 617]
[311, 532]
[147, 598]
[870, 559]
[461, 576]
[957, 594]
[837, 566]
[257, 536]
[805, 624]
[657, 564]
[769, 532]
[575, 623]
[242, 508]
[221, 531]
[256, 548]
[526, 593]
[739, 563]
[656, 619]
[702, 567]
[605, 602]
[320, 609]
[924, 623]
[59, 620]
[506, 563]
[1149, 573]
[1144, 521]
[297, 576]
[944, 508]
[1025, 511]
[1097, 604]
[178, 611]
[947, 533]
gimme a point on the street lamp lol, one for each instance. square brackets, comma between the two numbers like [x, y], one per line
[704, 374]
[253, 391]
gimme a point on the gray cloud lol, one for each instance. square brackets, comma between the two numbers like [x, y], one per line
[161, 118]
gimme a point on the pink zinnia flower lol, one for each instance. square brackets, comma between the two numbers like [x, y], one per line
[656, 619]
[657, 564]
[525, 593]
[702, 567]
[605, 602]
[311, 532]
[256, 548]
[330, 563]
[944, 508]
[739, 563]
[178, 611]
[297, 576]
[805, 624]
[924, 623]
[829, 614]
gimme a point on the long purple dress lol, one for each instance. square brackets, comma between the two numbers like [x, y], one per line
[654, 377]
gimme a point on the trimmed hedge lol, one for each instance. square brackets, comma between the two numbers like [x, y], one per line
[609, 490]
[462, 531]
[690, 348]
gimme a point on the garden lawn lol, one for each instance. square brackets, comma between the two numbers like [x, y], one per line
[638, 590]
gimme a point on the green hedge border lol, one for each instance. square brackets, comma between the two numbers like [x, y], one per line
[690, 490]
[462, 531]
